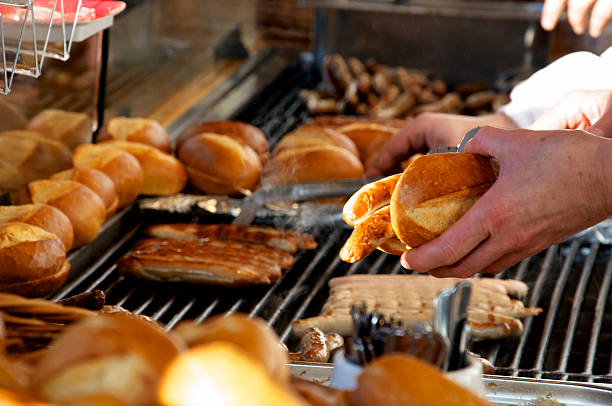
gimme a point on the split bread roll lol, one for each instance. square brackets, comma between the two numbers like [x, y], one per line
[400, 379]
[33, 155]
[120, 166]
[244, 133]
[254, 336]
[219, 374]
[434, 191]
[163, 173]
[68, 127]
[79, 203]
[97, 181]
[310, 164]
[40, 215]
[219, 164]
[33, 261]
[141, 130]
[110, 355]
[309, 135]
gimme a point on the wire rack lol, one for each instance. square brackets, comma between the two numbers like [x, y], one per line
[32, 30]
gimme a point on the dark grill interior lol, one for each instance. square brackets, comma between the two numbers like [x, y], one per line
[571, 340]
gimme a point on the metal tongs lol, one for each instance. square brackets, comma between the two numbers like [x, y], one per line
[450, 322]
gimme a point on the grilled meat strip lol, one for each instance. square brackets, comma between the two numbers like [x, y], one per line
[286, 240]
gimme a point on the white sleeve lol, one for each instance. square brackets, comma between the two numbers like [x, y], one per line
[579, 70]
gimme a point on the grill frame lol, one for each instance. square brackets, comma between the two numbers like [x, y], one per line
[570, 281]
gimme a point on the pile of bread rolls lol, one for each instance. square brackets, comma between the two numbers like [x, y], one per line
[229, 157]
[234, 360]
[85, 184]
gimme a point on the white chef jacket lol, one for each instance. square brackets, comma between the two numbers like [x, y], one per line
[575, 71]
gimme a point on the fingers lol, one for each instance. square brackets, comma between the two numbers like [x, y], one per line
[603, 125]
[551, 11]
[397, 148]
[485, 259]
[601, 14]
[454, 244]
[577, 14]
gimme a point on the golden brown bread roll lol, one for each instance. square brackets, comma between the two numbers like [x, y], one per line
[434, 191]
[11, 118]
[310, 164]
[219, 164]
[400, 379]
[79, 203]
[374, 147]
[122, 167]
[364, 134]
[97, 181]
[110, 355]
[33, 260]
[142, 130]
[223, 374]
[68, 127]
[244, 133]
[254, 336]
[163, 173]
[40, 215]
[310, 135]
[33, 155]
[11, 178]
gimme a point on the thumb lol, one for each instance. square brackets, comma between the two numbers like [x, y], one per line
[487, 141]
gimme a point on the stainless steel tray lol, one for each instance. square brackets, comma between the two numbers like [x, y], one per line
[501, 390]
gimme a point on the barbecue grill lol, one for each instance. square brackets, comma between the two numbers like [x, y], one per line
[571, 340]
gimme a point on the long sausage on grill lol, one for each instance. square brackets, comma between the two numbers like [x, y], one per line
[286, 240]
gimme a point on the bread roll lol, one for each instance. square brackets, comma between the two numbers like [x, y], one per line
[11, 178]
[400, 379]
[223, 374]
[310, 164]
[79, 203]
[68, 127]
[310, 135]
[142, 130]
[33, 261]
[97, 181]
[254, 336]
[364, 134]
[374, 147]
[33, 155]
[244, 133]
[219, 164]
[435, 191]
[163, 173]
[40, 215]
[106, 355]
[122, 167]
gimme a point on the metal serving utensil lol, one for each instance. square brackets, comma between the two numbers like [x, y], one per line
[459, 148]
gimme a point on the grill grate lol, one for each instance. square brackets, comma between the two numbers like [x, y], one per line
[571, 340]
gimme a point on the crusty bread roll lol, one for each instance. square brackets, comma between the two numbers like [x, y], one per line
[223, 374]
[33, 261]
[244, 133]
[79, 203]
[97, 181]
[40, 215]
[105, 355]
[11, 178]
[310, 164]
[68, 127]
[254, 336]
[365, 134]
[32, 154]
[219, 164]
[11, 118]
[434, 191]
[401, 379]
[310, 135]
[122, 167]
[142, 130]
[163, 173]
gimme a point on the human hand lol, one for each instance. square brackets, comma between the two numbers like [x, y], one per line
[551, 185]
[575, 110]
[577, 14]
[427, 131]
